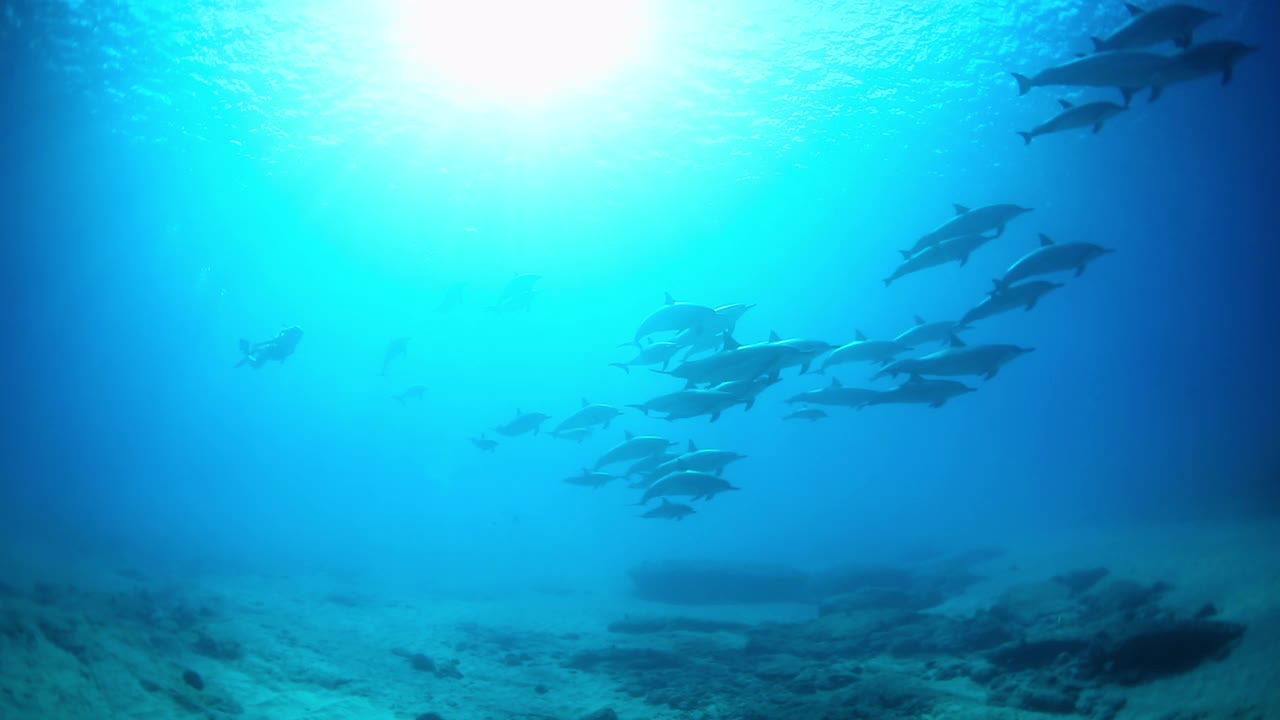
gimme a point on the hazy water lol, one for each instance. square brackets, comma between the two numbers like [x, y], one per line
[177, 180]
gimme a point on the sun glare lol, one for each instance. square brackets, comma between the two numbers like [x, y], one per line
[514, 50]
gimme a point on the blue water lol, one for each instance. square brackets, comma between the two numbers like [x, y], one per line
[177, 180]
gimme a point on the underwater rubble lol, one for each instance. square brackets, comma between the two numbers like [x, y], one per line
[1069, 645]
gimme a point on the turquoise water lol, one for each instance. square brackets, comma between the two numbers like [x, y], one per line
[179, 178]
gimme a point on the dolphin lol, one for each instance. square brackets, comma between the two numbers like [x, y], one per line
[1003, 299]
[669, 510]
[589, 415]
[1094, 114]
[452, 297]
[799, 352]
[279, 348]
[523, 423]
[1144, 28]
[969, 222]
[397, 347]
[923, 333]
[645, 465]
[734, 362]
[413, 392]
[1129, 70]
[633, 448]
[1052, 257]
[1211, 58]
[708, 461]
[591, 479]
[733, 313]
[689, 403]
[810, 414]
[747, 390]
[658, 353]
[677, 316]
[959, 359]
[917, 390]
[687, 483]
[484, 443]
[956, 249]
[518, 294]
[575, 435]
[864, 350]
[835, 394]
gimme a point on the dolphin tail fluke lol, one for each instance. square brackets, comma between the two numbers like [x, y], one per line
[1026, 137]
[622, 366]
[1024, 83]
[245, 347]
[887, 281]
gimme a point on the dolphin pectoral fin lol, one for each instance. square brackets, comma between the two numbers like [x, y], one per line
[804, 368]
[1026, 137]
[937, 404]
[1097, 128]
[991, 374]
[1128, 95]
[1032, 304]
[964, 259]
[1183, 41]
[999, 232]
[749, 404]
[1226, 75]
[1156, 92]
[1080, 270]
[621, 366]
[715, 416]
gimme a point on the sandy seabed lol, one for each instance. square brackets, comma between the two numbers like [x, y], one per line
[1172, 622]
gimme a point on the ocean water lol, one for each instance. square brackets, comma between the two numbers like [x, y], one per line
[178, 177]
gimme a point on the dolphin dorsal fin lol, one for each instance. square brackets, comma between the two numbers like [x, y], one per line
[665, 502]
[915, 378]
[960, 209]
[919, 320]
[857, 335]
[667, 299]
[585, 402]
[692, 447]
[835, 383]
[1134, 10]
[774, 336]
[956, 342]
[730, 343]
[628, 434]
[1000, 286]
[1045, 240]
[1066, 104]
